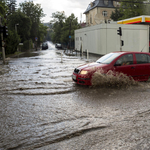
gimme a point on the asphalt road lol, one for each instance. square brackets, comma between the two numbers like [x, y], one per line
[41, 108]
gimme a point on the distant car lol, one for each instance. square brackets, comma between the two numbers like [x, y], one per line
[132, 64]
[58, 45]
[44, 46]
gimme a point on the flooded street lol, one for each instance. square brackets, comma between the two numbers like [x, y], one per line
[42, 108]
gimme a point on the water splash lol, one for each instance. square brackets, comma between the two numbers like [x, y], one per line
[112, 79]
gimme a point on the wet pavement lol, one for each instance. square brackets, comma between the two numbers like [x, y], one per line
[41, 108]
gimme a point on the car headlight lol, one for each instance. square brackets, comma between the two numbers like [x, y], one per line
[83, 72]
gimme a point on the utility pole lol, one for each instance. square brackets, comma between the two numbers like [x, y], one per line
[70, 35]
[3, 48]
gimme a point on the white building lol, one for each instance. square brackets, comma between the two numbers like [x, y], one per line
[103, 38]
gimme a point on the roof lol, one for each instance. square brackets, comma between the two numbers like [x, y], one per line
[99, 3]
[139, 19]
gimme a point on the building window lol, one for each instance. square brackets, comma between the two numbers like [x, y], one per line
[104, 13]
[106, 2]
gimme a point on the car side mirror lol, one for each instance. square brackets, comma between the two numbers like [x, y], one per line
[117, 64]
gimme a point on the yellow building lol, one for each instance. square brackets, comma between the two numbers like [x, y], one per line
[99, 11]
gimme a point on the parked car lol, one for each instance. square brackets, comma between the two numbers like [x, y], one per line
[132, 64]
[44, 46]
[58, 45]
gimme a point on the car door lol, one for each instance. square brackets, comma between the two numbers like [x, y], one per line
[125, 64]
[142, 66]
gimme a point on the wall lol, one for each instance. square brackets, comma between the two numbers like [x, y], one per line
[98, 10]
[103, 38]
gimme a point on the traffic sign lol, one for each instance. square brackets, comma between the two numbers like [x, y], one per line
[36, 38]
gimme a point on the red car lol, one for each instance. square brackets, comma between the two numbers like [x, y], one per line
[132, 64]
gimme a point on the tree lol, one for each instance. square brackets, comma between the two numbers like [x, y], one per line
[63, 28]
[11, 6]
[42, 32]
[70, 25]
[58, 22]
[116, 15]
[28, 17]
[24, 22]
[132, 8]
[12, 42]
[35, 13]
[3, 8]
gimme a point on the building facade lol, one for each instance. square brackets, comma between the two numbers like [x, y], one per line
[99, 11]
[103, 38]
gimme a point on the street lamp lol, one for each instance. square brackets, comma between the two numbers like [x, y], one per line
[16, 31]
[16, 26]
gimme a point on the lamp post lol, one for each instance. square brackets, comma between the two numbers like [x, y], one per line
[16, 32]
[16, 26]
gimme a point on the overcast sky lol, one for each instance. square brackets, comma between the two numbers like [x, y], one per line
[68, 6]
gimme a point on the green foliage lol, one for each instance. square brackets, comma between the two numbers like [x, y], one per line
[3, 7]
[27, 45]
[58, 17]
[12, 42]
[116, 15]
[63, 27]
[129, 9]
[23, 27]
[35, 13]
[70, 25]
[42, 32]
[28, 17]
[58, 22]
[132, 8]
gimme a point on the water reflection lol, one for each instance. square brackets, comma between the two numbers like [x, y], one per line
[27, 54]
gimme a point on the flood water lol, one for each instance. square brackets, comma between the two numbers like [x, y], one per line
[41, 108]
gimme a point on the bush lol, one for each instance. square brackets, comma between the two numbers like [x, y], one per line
[27, 45]
[12, 42]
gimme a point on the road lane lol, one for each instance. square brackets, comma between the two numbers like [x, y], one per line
[41, 108]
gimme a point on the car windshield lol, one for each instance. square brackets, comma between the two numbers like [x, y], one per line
[108, 58]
